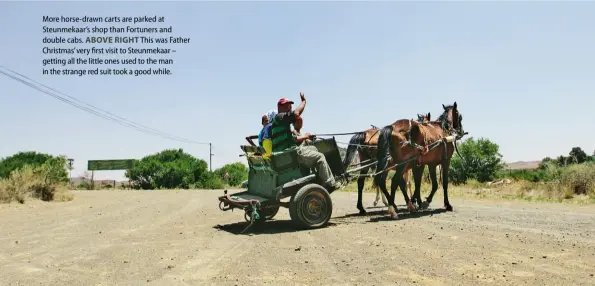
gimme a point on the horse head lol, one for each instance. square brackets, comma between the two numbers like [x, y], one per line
[451, 119]
[424, 118]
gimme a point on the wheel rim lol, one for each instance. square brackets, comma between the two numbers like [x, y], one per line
[314, 208]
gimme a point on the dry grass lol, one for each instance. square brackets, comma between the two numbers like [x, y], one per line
[63, 195]
[521, 190]
[576, 184]
[32, 182]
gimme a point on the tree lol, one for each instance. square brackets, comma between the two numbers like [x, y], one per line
[19, 160]
[168, 169]
[577, 155]
[545, 163]
[481, 161]
[238, 173]
[562, 161]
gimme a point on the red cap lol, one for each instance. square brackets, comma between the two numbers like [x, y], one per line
[283, 101]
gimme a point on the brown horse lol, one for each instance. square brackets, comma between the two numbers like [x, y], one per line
[394, 142]
[422, 119]
[439, 139]
[365, 143]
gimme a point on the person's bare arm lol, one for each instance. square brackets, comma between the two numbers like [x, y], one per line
[249, 139]
[301, 138]
[300, 109]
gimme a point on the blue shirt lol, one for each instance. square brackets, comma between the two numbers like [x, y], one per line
[265, 133]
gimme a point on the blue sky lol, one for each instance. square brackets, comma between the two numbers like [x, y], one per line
[521, 73]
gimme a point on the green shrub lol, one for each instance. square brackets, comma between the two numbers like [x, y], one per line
[482, 161]
[44, 182]
[19, 160]
[168, 169]
[84, 186]
[209, 180]
[580, 179]
[237, 171]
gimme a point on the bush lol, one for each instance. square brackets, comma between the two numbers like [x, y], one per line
[84, 186]
[482, 161]
[530, 175]
[18, 185]
[237, 171]
[170, 169]
[44, 182]
[577, 155]
[580, 179]
[19, 160]
[209, 181]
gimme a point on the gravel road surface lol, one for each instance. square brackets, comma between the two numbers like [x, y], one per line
[182, 238]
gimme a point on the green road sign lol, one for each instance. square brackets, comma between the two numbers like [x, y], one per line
[95, 165]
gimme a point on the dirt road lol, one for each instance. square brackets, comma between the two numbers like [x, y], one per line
[172, 238]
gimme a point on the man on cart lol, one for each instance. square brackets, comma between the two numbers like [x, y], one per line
[283, 138]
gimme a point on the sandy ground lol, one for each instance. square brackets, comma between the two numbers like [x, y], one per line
[182, 238]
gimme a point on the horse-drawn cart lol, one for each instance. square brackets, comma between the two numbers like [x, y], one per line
[273, 179]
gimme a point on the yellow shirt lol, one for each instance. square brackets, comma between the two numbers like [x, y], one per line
[267, 144]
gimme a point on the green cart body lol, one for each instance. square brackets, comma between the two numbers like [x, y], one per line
[281, 176]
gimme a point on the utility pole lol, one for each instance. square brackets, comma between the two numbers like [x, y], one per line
[211, 157]
[70, 171]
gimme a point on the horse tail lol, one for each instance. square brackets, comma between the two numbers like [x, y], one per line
[384, 144]
[357, 139]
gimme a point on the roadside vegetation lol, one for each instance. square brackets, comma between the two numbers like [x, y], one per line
[172, 169]
[482, 174]
[27, 175]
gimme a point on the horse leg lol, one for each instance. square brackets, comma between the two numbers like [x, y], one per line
[417, 178]
[378, 195]
[380, 181]
[385, 201]
[360, 189]
[432, 169]
[399, 181]
[445, 167]
[407, 178]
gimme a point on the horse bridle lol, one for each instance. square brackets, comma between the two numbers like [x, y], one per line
[459, 133]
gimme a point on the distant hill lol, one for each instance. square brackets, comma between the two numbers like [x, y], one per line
[523, 165]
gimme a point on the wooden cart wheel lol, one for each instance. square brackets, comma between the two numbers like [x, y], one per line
[311, 207]
[269, 212]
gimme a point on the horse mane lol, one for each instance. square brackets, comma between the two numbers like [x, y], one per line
[431, 134]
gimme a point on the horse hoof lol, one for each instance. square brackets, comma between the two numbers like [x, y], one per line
[425, 205]
[362, 212]
[448, 208]
[375, 203]
[392, 212]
